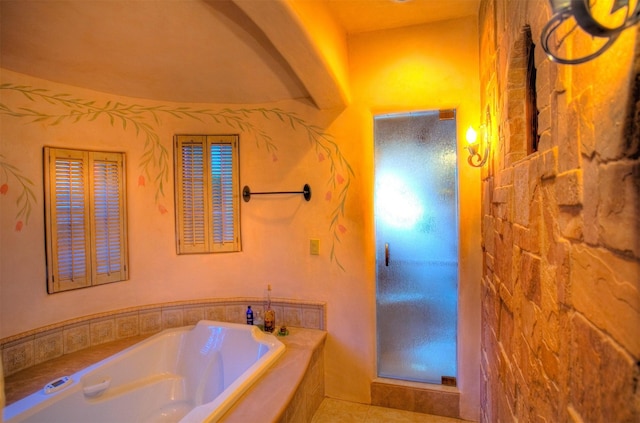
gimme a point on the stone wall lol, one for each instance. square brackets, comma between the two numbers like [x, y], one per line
[561, 228]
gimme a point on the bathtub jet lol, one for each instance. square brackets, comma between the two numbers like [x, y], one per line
[189, 374]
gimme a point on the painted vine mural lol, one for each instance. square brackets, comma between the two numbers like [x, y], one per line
[64, 108]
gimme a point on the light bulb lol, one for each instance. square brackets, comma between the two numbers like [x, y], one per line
[472, 135]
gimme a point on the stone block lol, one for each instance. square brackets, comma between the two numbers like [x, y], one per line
[545, 142]
[633, 134]
[619, 214]
[529, 238]
[529, 326]
[487, 193]
[506, 297]
[506, 330]
[505, 177]
[550, 362]
[534, 242]
[522, 193]
[504, 242]
[606, 290]
[549, 212]
[489, 267]
[488, 231]
[501, 195]
[558, 258]
[571, 223]
[521, 237]
[603, 376]
[586, 130]
[611, 99]
[549, 322]
[590, 206]
[530, 278]
[545, 114]
[544, 84]
[516, 156]
[569, 188]
[548, 164]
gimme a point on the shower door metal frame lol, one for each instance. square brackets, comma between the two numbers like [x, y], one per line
[389, 256]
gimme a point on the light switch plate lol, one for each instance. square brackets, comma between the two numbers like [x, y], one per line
[314, 247]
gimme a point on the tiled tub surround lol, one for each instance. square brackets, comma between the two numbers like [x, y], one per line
[191, 373]
[425, 398]
[290, 391]
[24, 350]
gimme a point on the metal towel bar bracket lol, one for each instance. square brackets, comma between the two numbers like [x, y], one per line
[246, 192]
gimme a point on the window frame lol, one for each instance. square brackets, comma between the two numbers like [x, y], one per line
[107, 238]
[214, 236]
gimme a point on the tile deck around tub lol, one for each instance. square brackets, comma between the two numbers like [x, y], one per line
[21, 351]
[34, 378]
[289, 392]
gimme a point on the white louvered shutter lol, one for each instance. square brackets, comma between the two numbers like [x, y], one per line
[223, 201]
[191, 201]
[85, 218]
[108, 218]
[207, 194]
[70, 243]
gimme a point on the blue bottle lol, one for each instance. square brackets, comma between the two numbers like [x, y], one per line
[249, 316]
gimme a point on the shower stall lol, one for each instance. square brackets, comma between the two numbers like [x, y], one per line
[416, 215]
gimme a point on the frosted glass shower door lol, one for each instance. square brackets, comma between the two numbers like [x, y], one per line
[416, 245]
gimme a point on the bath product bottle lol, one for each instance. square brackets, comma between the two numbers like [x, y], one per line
[249, 316]
[269, 314]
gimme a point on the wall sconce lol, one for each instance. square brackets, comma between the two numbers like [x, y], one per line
[583, 14]
[474, 144]
[476, 159]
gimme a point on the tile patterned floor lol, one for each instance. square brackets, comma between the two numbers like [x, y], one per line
[335, 411]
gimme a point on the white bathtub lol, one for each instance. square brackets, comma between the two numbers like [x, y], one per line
[190, 374]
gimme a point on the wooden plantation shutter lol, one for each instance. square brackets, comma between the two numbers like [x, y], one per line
[85, 218]
[207, 193]
[108, 218]
[191, 186]
[68, 241]
[224, 203]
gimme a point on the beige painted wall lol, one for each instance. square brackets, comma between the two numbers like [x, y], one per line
[417, 68]
[429, 68]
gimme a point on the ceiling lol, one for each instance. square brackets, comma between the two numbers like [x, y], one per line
[209, 51]
[372, 15]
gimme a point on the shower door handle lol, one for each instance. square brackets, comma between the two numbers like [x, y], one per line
[386, 254]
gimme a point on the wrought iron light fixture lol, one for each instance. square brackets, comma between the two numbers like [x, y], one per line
[590, 20]
[474, 144]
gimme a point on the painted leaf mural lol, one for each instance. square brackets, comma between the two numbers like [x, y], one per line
[155, 161]
[12, 176]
